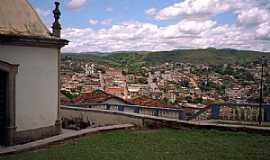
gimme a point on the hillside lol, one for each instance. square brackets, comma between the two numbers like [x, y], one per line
[205, 56]
[194, 56]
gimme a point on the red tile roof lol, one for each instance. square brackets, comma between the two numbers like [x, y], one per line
[147, 101]
[114, 90]
[97, 96]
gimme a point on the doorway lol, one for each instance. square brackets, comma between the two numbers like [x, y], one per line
[7, 103]
[3, 105]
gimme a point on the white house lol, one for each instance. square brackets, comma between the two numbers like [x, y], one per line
[29, 74]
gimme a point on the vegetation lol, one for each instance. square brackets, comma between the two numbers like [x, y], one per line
[184, 83]
[241, 74]
[210, 56]
[69, 95]
[131, 63]
[165, 144]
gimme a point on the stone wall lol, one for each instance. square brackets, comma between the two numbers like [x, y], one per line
[100, 117]
[103, 118]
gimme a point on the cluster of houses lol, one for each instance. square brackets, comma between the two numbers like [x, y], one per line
[162, 84]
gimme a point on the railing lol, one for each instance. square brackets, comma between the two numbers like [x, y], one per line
[224, 112]
[152, 111]
[234, 112]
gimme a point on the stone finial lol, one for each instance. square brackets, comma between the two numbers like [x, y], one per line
[56, 24]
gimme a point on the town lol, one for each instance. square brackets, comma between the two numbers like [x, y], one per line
[134, 80]
[172, 84]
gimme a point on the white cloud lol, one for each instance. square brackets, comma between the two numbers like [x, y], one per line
[253, 17]
[76, 4]
[195, 29]
[93, 21]
[263, 31]
[106, 21]
[103, 22]
[146, 36]
[193, 9]
[151, 12]
[204, 9]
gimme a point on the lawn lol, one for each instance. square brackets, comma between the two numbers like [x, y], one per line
[162, 144]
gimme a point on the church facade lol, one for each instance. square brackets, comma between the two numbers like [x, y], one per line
[29, 74]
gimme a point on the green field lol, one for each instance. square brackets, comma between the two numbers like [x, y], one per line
[163, 144]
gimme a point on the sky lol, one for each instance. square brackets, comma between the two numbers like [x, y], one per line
[157, 25]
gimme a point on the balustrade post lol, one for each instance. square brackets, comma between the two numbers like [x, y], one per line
[108, 107]
[181, 115]
[156, 112]
[257, 114]
[136, 110]
[267, 113]
[239, 114]
[120, 108]
[215, 111]
[245, 114]
[254, 113]
[248, 113]
[234, 113]
[262, 114]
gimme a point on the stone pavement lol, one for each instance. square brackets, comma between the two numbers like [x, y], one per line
[245, 123]
[67, 134]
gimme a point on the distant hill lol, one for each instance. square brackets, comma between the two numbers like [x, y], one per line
[205, 56]
[194, 56]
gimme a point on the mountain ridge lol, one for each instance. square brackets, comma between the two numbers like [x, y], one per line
[210, 56]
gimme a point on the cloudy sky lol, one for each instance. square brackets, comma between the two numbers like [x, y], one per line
[124, 25]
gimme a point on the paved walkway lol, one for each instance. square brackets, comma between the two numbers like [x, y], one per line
[247, 123]
[67, 134]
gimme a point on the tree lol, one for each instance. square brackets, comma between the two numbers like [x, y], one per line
[69, 95]
[198, 100]
[184, 83]
[188, 99]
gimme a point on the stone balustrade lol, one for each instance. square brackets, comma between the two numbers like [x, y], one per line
[235, 112]
[171, 113]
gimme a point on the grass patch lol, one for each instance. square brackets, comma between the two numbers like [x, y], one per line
[163, 144]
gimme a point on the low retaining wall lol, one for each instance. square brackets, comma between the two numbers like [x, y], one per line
[101, 117]
[107, 117]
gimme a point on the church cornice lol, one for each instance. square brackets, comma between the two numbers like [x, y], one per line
[31, 41]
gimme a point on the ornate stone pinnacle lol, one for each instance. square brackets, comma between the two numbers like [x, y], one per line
[56, 24]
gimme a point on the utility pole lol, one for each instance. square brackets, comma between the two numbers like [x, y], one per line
[207, 77]
[261, 92]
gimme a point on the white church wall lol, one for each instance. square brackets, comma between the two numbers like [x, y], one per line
[36, 85]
